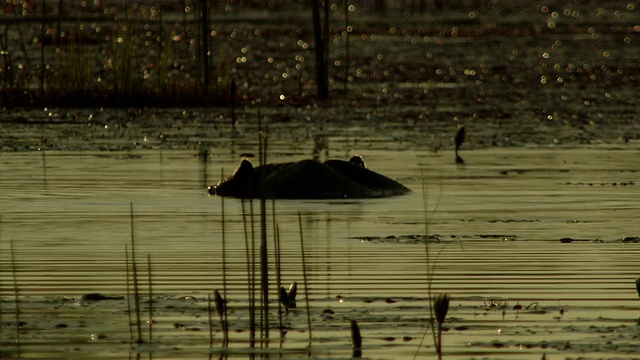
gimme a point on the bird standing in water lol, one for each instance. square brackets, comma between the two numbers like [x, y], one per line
[460, 136]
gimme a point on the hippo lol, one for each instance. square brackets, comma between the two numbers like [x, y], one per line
[308, 179]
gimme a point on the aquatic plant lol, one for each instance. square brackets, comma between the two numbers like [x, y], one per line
[134, 275]
[356, 339]
[440, 305]
[221, 310]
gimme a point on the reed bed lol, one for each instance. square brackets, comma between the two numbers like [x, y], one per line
[121, 55]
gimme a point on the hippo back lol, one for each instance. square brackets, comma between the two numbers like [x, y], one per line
[307, 179]
[378, 184]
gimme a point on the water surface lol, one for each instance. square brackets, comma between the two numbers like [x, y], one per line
[496, 226]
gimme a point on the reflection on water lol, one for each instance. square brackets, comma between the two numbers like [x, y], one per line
[516, 289]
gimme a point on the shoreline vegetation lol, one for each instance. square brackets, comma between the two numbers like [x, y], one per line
[128, 55]
[197, 53]
[110, 55]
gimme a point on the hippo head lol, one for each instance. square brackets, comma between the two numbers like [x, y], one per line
[239, 184]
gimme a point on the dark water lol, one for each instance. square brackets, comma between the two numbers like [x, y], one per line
[497, 224]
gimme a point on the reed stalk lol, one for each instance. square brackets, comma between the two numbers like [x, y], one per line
[127, 275]
[123, 60]
[42, 64]
[264, 273]
[7, 73]
[59, 22]
[346, 49]
[440, 305]
[205, 52]
[321, 47]
[197, 20]
[221, 309]
[160, 41]
[356, 339]
[264, 259]
[430, 268]
[44, 169]
[134, 272]
[254, 268]
[220, 299]
[232, 102]
[283, 296]
[304, 277]
[435, 304]
[16, 291]
[150, 298]
[224, 248]
[0, 278]
[250, 281]
[210, 319]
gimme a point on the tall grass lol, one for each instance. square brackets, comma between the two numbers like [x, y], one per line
[115, 67]
[122, 63]
[75, 76]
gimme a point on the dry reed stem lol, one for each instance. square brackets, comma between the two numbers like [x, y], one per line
[210, 319]
[304, 276]
[250, 288]
[276, 254]
[16, 292]
[254, 269]
[0, 279]
[224, 252]
[126, 266]
[134, 271]
[150, 320]
[356, 339]
[264, 259]
[221, 309]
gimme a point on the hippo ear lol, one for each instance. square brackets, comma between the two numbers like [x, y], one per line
[245, 169]
[358, 161]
